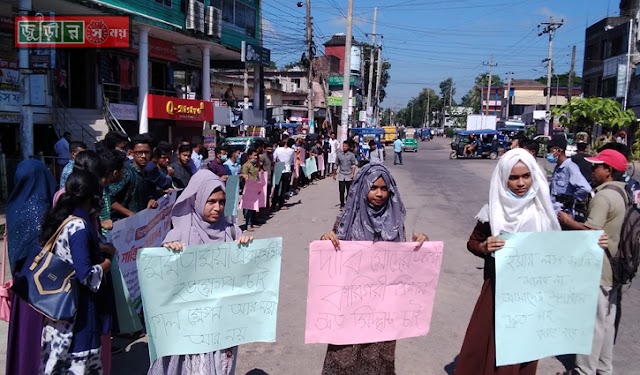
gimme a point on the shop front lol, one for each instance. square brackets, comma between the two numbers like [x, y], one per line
[171, 118]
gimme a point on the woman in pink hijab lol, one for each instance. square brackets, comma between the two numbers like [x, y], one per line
[198, 218]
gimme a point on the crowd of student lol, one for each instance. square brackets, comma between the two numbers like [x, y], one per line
[125, 177]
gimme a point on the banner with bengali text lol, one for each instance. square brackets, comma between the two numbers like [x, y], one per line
[210, 297]
[546, 294]
[146, 228]
[370, 292]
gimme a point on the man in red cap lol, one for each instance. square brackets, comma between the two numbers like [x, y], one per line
[606, 212]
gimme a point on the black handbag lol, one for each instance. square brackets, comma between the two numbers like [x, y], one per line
[47, 282]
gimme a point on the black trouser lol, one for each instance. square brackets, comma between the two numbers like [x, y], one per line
[269, 186]
[343, 187]
[282, 189]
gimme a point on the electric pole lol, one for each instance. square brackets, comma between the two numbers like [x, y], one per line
[310, 56]
[506, 116]
[344, 118]
[425, 123]
[378, 80]
[371, 61]
[549, 28]
[411, 121]
[628, 68]
[491, 65]
[572, 72]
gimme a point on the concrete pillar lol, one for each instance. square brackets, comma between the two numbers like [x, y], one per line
[206, 73]
[143, 79]
[26, 111]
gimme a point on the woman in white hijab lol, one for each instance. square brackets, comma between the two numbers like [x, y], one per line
[519, 201]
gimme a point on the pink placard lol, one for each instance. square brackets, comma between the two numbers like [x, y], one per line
[320, 160]
[370, 292]
[251, 196]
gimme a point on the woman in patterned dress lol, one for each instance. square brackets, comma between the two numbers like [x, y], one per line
[373, 212]
[73, 346]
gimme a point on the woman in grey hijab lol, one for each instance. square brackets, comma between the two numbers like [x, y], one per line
[198, 218]
[373, 212]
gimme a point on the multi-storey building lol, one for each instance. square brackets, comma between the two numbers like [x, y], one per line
[173, 46]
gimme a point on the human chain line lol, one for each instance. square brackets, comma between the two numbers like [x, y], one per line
[531, 259]
[209, 287]
[190, 318]
[366, 318]
[225, 256]
[378, 260]
[363, 288]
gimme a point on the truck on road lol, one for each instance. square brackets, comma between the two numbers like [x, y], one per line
[390, 134]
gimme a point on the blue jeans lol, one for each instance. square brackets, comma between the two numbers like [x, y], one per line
[397, 159]
[248, 216]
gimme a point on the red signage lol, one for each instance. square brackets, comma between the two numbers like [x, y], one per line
[163, 50]
[72, 32]
[169, 108]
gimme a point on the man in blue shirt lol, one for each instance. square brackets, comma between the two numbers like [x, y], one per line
[75, 147]
[397, 149]
[231, 165]
[568, 185]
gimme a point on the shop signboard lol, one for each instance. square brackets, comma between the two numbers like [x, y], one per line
[335, 101]
[9, 79]
[72, 32]
[10, 101]
[162, 49]
[209, 136]
[10, 117]
[124, 112]
[255, 54]
[170, 108]
[339, 80]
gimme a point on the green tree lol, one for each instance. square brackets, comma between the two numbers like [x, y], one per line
[293, 64]
[472, 98]
[562, 80]
[447, 91]
[415, 113]
[583, 113]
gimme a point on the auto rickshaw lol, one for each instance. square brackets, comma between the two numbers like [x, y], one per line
[488, 148]
[364, 136]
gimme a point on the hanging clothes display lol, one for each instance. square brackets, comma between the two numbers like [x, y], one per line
[61, 68]
[105, 65]
[125, 67]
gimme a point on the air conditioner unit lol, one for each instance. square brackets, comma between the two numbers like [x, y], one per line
[195, 16]
[200, 16]
[213, 20]
[191, 15]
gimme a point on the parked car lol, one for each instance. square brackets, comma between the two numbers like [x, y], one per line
[410, 144]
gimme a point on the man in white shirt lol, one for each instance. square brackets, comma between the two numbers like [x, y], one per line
[333, 154]
[283, 154]
[197, 143]
[376, 155]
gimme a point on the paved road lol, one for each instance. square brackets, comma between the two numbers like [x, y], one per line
[442, 197]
